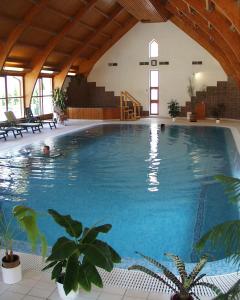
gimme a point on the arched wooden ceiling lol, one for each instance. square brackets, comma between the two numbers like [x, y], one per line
[72, 35]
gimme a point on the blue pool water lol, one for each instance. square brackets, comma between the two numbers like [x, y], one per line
[155, 187]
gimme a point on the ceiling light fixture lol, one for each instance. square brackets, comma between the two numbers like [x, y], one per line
[47, 71]
[14, 69]
[71, 74]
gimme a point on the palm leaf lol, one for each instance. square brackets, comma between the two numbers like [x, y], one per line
[228, 236]
[152, 274]
[232, 294]
[232, 187]
[211, 286]
[196, 281]
[197, 268]
[165, 271]
[180, 266]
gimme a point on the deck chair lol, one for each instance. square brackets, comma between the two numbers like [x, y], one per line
[3, 135]
[31, 118]
[14, 122]
[15, 130]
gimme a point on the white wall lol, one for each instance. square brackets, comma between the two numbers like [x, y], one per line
[174, 46]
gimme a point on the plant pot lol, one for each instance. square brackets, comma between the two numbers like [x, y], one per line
[193, 117]
[71, 296]
[179, 297]
[217, 121]
[11, 271]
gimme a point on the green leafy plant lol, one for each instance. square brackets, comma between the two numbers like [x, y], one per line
[190, 88]
[232, 294]
[26, 218]
[183, 286]
[59, 98]
[173, 108]
[74, 260]
[227, 234]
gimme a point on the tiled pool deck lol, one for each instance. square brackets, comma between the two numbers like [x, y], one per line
[37, 284]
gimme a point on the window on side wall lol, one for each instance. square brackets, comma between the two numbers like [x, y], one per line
[11, 96]
[41, 102]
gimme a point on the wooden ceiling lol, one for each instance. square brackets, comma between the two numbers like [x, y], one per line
[72, 35]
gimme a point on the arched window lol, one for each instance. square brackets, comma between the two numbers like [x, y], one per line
[153, 49]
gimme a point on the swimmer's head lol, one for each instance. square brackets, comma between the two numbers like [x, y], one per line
[46, 150]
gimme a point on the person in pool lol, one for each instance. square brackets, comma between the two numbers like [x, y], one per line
[46, 150]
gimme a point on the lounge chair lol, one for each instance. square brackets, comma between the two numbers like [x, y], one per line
[3, 135]
[14, 122]
[31, 118]
[15, 130]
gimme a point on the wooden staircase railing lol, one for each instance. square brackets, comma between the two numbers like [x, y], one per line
[130, 107]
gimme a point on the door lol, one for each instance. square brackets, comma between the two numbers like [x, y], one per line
[154, 92]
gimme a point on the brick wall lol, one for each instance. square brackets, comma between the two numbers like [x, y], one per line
[226, 92]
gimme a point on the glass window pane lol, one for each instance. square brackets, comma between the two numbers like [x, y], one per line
[47, 105]
[16, 106]
[15, 86]
[3, 108]
[2, 87]
[154, 79]
[154, 94]
[47, 86]
[35, 106]
[153, 49]
[36, 91]
[154, 108]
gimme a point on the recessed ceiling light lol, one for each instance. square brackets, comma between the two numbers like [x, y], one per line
[47, 71]
[71, 74]
[17, 69]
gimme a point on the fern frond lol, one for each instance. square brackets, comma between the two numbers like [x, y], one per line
[232, 187]
[179, 264]
[152, 274]
[165, 271]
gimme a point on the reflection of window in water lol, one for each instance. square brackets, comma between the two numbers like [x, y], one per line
[154, 161]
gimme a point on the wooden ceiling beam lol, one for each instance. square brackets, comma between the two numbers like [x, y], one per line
[19, 29]
[231, 10]
[59, 79]
[214, 50]
[38, 62]
[161, 9]
[106, 16]
[220, 23]
[199, 22]
[86, 66]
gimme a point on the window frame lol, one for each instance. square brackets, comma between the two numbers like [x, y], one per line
[22, 97]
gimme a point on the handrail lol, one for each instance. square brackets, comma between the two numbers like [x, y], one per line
[129, 113]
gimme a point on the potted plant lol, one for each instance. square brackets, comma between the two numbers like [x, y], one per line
[173, 109]
[217, 111]
[59, 103]
[75, 258]
[183, 287]
[27, 220]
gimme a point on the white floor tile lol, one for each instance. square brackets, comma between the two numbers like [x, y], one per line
[137, 294]
[32, 298]
[11, 296]
[114, 290]
[107, 296]
[40, 292]
[21, 289]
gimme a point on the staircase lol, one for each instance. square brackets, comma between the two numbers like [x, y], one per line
[130, 108]
[82, 93]
[226, 92]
